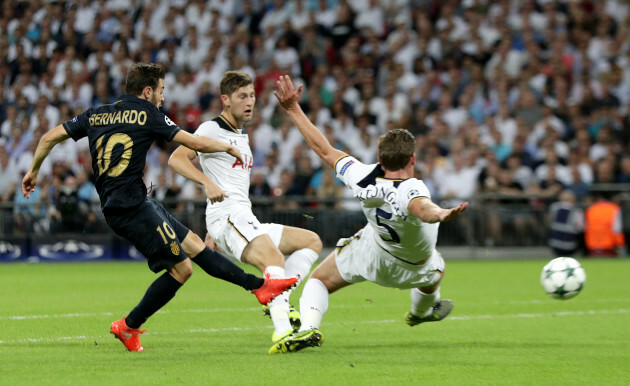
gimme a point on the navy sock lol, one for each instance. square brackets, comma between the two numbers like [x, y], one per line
[221, 267]
[158, 294]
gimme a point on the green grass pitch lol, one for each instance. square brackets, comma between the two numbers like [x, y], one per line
[54, 329]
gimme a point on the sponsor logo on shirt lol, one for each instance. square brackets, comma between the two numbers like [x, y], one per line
[345, 167]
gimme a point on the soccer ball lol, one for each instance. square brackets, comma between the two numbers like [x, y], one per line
[563, 278]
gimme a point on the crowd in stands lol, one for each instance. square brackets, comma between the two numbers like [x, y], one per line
[507, 97]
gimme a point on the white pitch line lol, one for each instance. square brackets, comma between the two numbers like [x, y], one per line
[214, 310]
[72, 315]
[385, 321]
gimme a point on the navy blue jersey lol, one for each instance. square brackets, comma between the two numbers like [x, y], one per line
[120, 135]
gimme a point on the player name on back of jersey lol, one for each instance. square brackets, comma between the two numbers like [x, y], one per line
[123, 116]
[374, 196]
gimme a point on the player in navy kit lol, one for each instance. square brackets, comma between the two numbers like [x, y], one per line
[120, 135]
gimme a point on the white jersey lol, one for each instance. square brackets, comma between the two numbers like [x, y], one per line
[227, 172]
[385, 203]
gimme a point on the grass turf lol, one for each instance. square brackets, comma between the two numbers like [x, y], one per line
[54, 323]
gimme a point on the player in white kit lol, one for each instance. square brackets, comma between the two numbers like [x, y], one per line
[397, 246]
[229, 218]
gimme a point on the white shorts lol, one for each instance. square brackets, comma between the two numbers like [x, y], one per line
[234, 231]
[362, 259]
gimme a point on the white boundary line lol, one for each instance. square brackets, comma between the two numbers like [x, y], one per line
[213, 310]
[218, 330]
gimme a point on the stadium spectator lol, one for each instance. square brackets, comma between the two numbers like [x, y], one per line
[566, 236]
[603, 228]
[259, 186]
[534, 67]
[67, 208]
[9, 175]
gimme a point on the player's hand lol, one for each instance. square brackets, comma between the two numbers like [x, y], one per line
[28, 184]
[453, 212]
[211, 244]
[213, 192]
[234, 152]
[287, 95]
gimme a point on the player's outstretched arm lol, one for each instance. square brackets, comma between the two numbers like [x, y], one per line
[429, 212]
[181, 162]
[45, 145]
[206, 145]
[288, 97]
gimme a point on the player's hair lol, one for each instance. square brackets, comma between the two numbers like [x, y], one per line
[233, 80]
[395, 149]
[141, 75]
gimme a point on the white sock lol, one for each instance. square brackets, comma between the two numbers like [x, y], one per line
[313, 304]
[421, 303]
[279, 306]
[300, 263]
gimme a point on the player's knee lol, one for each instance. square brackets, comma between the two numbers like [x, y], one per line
[185, 274]
[314, 242]
[182, 271]
[192, 244]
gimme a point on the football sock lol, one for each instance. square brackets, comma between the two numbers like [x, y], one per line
[279, 306]
[421, 303]
[300, 262]
[158, 294]
[219, 266]
[313, 304]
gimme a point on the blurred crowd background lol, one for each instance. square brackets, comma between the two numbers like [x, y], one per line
[516, 100]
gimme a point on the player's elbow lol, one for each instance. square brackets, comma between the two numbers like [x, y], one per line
[50, 139]
[172, 160]
[176, 159]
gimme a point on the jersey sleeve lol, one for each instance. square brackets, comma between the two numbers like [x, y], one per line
[350, 170]
[77, 127]
[409, 190]
[164, 127]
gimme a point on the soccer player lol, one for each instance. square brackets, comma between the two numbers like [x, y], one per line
[120, 135]
[397, 246]
[230, 222]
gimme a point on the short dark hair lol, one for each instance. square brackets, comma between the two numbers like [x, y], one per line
[395, 149]
[233, 80]
[141, 75]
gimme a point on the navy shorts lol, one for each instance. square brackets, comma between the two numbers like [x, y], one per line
[153, 231]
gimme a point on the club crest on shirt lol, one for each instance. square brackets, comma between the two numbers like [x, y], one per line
[174, 248]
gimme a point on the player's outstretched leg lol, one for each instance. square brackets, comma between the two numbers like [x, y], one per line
[298, 341]
[219, 266]
[130, 337]
[438, 312]
[273, 287]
